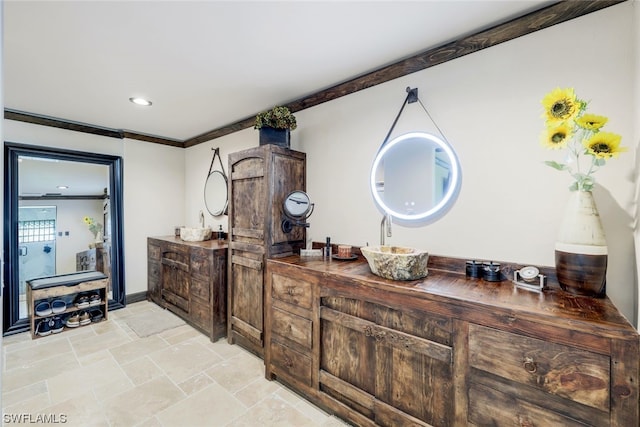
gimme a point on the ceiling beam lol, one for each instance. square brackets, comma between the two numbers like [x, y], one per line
[36, 119]
[534, 21]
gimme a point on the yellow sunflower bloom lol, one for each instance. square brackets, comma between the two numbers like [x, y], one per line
[556, 137]
[591, 121]
[87, 220]
[561, 105]
[604, 145]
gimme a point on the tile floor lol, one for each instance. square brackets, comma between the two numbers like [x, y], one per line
[105, 375]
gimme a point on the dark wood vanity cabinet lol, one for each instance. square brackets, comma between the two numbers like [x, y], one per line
[260, 179]
[447, 350]
[189, 278]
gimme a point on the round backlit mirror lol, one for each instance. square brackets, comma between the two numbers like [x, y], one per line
[415, 178]
[216, 193]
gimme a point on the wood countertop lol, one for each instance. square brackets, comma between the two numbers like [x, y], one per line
[498, 301]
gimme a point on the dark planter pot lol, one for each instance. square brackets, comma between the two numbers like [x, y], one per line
[279, 137]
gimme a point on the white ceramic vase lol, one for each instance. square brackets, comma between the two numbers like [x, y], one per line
[581, 249]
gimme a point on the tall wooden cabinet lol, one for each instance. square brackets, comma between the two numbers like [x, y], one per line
[260, 179]
[189, 278]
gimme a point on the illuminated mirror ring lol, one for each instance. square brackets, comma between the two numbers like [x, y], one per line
[415, 178]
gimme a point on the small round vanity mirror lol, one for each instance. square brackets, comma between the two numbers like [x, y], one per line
[415, 178]
[216, 193]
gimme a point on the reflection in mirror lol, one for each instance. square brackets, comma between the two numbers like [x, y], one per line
[215, 193]
[54, 198]
[415, 178]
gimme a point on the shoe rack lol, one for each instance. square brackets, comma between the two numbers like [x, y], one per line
[67, 293]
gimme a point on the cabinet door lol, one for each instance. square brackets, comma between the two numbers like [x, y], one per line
[175, 276]
[395, 377]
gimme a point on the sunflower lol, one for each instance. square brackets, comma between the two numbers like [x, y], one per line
[87, 220]
[556, 137]
[591, 121]
[561, 105]
[604, 145]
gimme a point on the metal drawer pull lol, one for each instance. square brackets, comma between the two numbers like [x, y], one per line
[529, 365]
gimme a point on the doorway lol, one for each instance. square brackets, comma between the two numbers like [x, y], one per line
[69, 239]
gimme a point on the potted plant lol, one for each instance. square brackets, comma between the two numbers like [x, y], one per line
[275, 126]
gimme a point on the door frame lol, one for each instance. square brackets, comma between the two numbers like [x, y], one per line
[11, 322]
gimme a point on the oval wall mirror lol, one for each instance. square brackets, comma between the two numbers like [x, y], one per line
[415, 178]
[215, 193]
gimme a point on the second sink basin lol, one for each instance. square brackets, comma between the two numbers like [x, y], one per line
[195, 234]
[396, 262]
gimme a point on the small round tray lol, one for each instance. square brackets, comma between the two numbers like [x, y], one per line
[349, 258]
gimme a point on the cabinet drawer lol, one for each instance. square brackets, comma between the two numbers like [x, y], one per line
[201, 261]
[292, 327]
[292, 291]
[200, 289]
[489, 407]
[290, 363]
[564, 371]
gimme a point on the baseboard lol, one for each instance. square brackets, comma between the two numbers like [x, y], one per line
[137, 297]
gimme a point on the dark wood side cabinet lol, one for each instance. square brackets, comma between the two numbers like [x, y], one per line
[260, 179]
[447, 350]
[190, 279]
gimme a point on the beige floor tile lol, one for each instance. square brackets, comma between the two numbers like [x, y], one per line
[142, 370]
[12, 397]
[212, 406]
[256, 391]
[108, 389]
[80, 381]
[272, 412]
[38, 371]
[184, 360]
[95, 343]
[26, 403]
[195, 383]
[237, 372]
[83, 410]
[132, 350]
[142, 402]
[29, 355]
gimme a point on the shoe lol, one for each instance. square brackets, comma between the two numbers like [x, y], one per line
[94, 299]
[96, 315]
[58, 306]
[81, 301]
[43, 308]
[56, 324]
[43, 328]
[73, 321]
[85, 319]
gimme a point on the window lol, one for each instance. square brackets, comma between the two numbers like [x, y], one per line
[36, 231]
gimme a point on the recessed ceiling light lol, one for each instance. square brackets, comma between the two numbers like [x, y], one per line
[140, 101]
[62, 187]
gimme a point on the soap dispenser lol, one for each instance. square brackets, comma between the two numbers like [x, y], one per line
[220, 233]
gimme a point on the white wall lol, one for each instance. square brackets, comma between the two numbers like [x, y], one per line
[636, 142]
[153, 185]
[488, 106]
